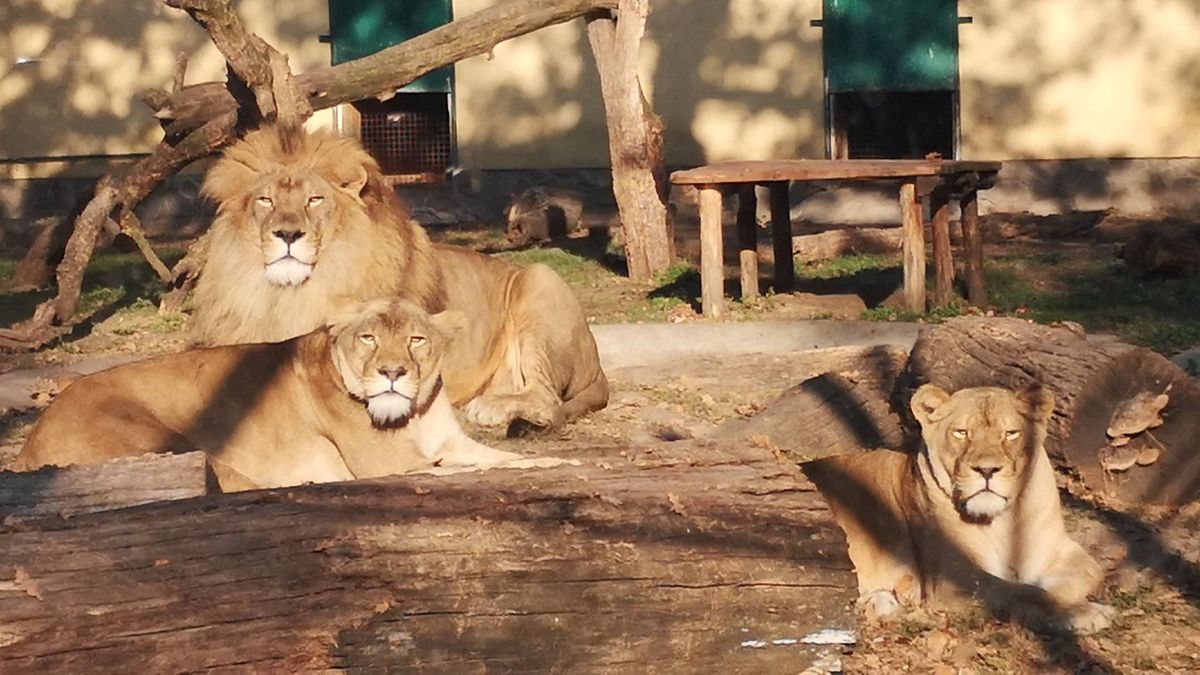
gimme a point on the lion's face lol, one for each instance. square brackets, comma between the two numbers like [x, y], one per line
[389, 355]
[291, 213]
[980, 443]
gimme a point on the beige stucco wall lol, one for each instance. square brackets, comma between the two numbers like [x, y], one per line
[71, 70]
[730, 78]
[1059, 79]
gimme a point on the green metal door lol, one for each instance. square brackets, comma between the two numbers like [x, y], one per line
[891, 45]
[358, 28]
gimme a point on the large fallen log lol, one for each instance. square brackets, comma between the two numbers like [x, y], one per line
[74, 490]
[690, 558]
[833, 243]
[1126, 420]
[838, 412]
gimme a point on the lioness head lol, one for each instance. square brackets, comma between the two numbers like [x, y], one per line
[388, 355]
[981, 441]
[286, 187]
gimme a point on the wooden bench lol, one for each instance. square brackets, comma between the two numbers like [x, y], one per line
[939, 180]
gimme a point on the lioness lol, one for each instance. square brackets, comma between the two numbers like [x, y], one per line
[976, 508]
[306, 223]
[361, 397]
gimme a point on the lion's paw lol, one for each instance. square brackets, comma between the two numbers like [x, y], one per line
[881, 605]
[1091, 618]
[504, 410]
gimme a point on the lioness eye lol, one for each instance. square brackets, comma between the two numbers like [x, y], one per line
[366, 339]
[315, 199]
[1010, 435]
[265, 201]
[417, 340]
[960, 433]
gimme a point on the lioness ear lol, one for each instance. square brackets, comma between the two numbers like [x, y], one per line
[926, 400]
[1038, 400]
[449, 322]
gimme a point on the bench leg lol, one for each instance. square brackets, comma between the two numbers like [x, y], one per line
[747, 233]
[943, 258]
[973, 247]
[914, 248]
[712, 259]
[781, 238]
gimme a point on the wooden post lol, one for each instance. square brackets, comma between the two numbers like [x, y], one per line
[781, 238]
[747, 234]
[943, 260]
[914, 248]
[712, 259]
[973, 248]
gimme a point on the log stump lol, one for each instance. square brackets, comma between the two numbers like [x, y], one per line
[682, 558]
[1097, 384]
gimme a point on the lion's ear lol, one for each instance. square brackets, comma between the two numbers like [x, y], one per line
[449, 322]
[350, 178]
[926, 400]
[1038, 400]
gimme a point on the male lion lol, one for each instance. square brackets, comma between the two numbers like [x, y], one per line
[975, 509]
[306, 223]
[359, 398]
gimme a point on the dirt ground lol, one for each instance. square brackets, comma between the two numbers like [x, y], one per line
[1152, 556]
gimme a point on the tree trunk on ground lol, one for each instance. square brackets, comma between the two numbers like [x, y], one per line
[1095, 384]
[634, 140]
[831, 414]
[675, 557]
[200, 119]
[75, 490]
[834, 243]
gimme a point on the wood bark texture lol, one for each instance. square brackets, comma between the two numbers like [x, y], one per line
[75, 490]
[842, 411]
[1091, 380]
[664, 559]
[634, 139]
[834, 243]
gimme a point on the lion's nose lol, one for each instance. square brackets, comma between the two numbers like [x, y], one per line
[289, 236]
[987, 471]
[393, 372]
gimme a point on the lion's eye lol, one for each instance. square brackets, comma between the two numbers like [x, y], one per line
[1012, 435]
[367, 339]
[315, 200]
[417, 340]
[264, 201]
[959, 433]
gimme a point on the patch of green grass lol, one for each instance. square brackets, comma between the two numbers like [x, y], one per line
[847, 265]
[576, 270]
[1163, 314]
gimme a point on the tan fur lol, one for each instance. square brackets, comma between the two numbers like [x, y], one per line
[271, 415]
[527, 355]
[929, 525]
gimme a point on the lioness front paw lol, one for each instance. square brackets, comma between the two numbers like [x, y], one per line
[881, 605]
[503, 410]
[1090, 618]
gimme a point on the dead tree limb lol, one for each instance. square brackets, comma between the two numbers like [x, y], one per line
[634, 139]
[200, 119]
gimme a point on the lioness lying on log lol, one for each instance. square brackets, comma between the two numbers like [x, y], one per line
[362, 397]
[306, 223]
[976, 509]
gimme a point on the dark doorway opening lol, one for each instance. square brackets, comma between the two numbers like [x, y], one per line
[891, 124]
[408, 134]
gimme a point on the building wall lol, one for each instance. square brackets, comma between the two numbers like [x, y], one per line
[1059, 79]
[71, 70]
[731, 78]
